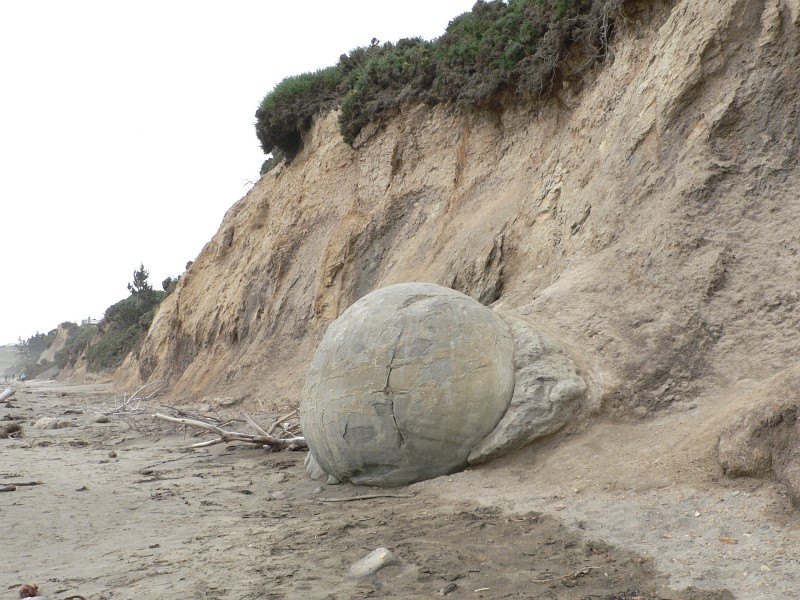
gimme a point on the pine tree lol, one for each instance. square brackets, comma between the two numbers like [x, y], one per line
[140, 289]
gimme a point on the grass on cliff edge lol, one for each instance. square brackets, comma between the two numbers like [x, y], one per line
[518, 45]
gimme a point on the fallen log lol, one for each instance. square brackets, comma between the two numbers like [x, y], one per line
[8, 393]
[262, 438]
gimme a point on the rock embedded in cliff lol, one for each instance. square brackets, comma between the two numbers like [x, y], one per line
[549, 393]
[764, 441]
[405, 383]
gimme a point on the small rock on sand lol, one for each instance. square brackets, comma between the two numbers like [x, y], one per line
[52, 423]
[372, 563]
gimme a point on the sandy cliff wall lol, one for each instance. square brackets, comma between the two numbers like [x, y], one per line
[49, 355]
[645, 215]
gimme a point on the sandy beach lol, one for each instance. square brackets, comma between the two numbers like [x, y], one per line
[124, 509]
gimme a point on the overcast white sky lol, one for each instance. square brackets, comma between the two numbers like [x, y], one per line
[126, 131]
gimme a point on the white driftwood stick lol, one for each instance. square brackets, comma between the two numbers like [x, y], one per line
[9, 391]
[254, 425]
[280, 420]
[293, 443]
[135, 395]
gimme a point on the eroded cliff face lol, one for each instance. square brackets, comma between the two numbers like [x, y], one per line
[644, 215]
[49, 355]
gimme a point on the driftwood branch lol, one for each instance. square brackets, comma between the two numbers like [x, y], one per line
[280, 421]
[261, 438]
[255, 425]
[8, 393]
[364, 497]
[126, 405]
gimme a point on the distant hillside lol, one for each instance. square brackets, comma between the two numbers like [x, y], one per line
[8, 357]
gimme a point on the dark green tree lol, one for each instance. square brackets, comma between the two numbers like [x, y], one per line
[125, 323]
[169, 284]
[140, 285]
[140, 289]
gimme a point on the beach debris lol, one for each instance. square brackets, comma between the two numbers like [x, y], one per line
[363, 497]
[263, 437]
[29, 590]
[573, 575]
[372, 563]
[8, 393]
[17, 484]
[52, 423]
[130, 404]
[12, 430]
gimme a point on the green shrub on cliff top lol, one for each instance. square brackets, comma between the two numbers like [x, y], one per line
[376, 80]
[287, 110]
[518, 45]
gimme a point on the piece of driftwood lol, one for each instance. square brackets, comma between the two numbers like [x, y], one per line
[8, 393]
[131, 404]
[261, 437]
[256, 426]
[280, 421]
[364, 497]
[21, 484]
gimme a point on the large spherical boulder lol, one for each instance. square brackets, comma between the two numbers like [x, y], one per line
[405, 383]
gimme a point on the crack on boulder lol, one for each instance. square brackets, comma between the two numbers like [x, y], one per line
[396, 424]
[387, 388]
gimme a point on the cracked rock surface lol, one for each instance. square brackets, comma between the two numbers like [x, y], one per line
[405, 383]
[549, 392]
